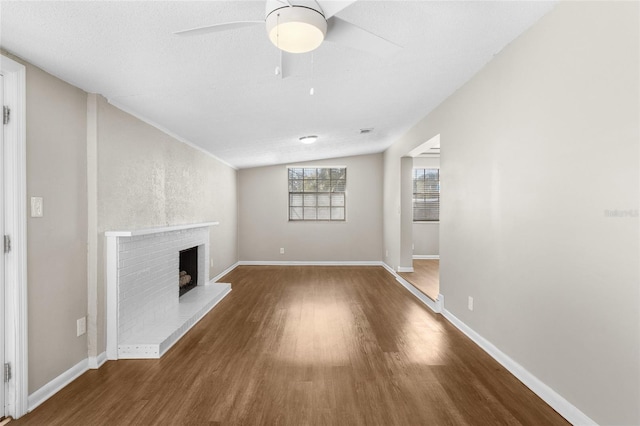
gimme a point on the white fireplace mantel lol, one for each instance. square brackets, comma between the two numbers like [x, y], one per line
[145, 314]
[147, 231]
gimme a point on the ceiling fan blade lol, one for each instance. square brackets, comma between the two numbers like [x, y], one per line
[227, 26]
[348, 34]
[331, 7]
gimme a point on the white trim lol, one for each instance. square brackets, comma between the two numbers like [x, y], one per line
[168, 132]
[426, 256]
[434, 306]
[309, 263]
[95, 362]
[548, 395]
[111, 293]
[388, 268]
[55, 385]
[16, 398]
[405, 269]
[148, 231]
[223, 273]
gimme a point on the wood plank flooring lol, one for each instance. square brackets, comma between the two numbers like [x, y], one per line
[306, 346]
[425, 276]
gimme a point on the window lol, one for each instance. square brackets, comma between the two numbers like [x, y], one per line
[426, 195]
[317, 193]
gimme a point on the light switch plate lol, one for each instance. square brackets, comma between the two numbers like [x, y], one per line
[81, 326]
[37, 207]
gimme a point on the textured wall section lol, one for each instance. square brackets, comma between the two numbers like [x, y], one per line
[264, 225]
[149, 179]
[537, 148]
[56, 242]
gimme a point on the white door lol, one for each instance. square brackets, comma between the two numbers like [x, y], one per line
[2, 292]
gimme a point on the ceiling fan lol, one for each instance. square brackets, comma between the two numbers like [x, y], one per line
[299, 26]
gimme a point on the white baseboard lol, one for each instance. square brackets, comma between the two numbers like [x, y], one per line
[434, 306]
[388, 268]
[405, 268]
[548, 395]
[55, 385]
[426, 256]
[96, 362]
[223, 273]
[309, 263]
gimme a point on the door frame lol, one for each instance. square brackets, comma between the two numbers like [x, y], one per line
[15, 215]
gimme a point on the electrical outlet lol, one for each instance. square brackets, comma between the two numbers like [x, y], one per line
[281, 250]
[470, 303]
[81, 326]
[386, 253]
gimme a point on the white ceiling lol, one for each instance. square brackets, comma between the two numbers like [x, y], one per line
[219, 91]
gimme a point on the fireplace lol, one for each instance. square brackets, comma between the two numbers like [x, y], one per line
[188, 270]
[145, 314]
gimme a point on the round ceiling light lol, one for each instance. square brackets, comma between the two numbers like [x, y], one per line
[296, 29]
[308, 139]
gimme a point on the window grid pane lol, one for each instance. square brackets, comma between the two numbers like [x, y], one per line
[317, 193]
[426, 195]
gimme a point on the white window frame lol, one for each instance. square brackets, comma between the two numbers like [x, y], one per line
[413, 195]
[289, 192]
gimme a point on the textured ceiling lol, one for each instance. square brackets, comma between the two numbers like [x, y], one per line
[219, 91]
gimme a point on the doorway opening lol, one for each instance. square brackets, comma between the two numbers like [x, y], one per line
[423, 231]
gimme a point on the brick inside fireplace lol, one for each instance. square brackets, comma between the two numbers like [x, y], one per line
[188, 270]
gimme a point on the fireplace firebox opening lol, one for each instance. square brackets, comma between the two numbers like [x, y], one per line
[188, 270]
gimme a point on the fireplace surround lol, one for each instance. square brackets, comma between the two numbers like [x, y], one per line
[145, 314]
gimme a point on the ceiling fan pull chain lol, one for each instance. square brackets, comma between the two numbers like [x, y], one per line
[311, 91]
[278, 31]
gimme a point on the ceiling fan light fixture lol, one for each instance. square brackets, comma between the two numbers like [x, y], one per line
[296, 29]
[308, 139]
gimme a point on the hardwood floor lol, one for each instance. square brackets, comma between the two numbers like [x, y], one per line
[306, 346]
[425, 276]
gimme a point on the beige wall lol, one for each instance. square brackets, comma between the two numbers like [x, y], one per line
[264, 226]
[149, 179]
[57, 254]
[534, 150]
[144, 179]
[426, 239]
